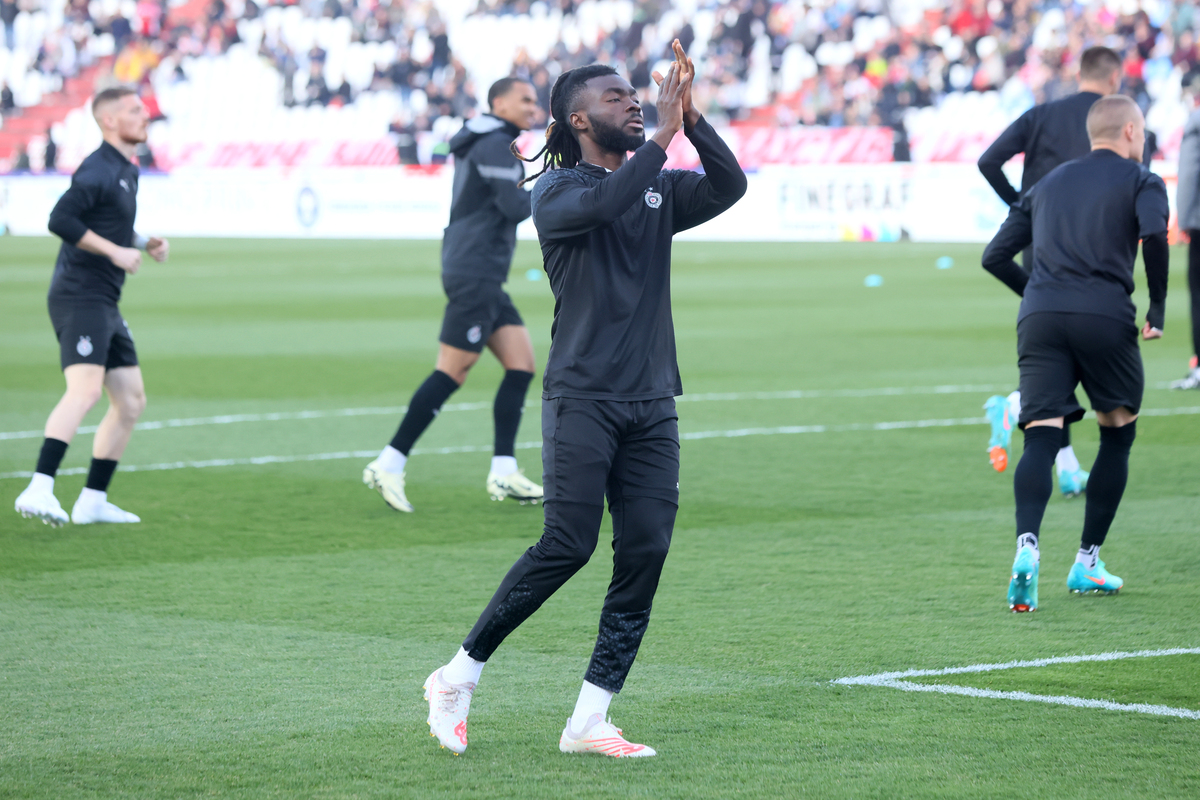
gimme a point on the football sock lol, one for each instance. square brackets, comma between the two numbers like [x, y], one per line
[51, 456]
[425, 404]
[1066, 460]
[392, 460]
[462, 669]
[92, 497]
[592, 700]
[1029, 540]
[1088, 556]
[100, 474]
[1032, 483]
[507, 410]
[1107, 483]
[503, 466]
[41, 482]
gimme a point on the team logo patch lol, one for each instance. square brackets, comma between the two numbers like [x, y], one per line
[84, 347]
[474, 334]
[653, 198]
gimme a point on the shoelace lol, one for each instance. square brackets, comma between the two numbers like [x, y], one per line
[448, 698]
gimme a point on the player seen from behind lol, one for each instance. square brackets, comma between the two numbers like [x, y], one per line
[1077, 324]
[609, 426]
[1048, 135]
[477, 249]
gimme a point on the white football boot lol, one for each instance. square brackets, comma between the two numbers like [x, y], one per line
[390, 486]
[514, 485]
[602, 738]
[448, 707]
[38, 503]
[96, 508]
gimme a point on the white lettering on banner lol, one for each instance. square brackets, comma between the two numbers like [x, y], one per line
[817, 203]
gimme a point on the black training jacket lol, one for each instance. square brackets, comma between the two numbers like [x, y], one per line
[1085, 219]
[102, 199]
[606, 246]
[487, 205]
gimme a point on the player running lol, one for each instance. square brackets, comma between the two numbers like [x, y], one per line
[94, 218]
[1077, 324]
[477, 251]
[609, 425]
[1048, 135]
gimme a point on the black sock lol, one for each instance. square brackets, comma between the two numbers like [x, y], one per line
[51, 456]
[1106, 484]
[100, 474]
[510, 404]
[424, 406]
[1066, 436]
[1033, 483]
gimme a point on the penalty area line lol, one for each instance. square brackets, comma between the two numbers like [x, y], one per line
[898, 680]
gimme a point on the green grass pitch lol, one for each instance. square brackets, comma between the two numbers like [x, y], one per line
[265, 632]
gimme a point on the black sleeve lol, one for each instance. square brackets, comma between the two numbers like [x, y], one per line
[1014, 236]
[496, 164]
[1157, 255]
[1014, 140]
[563, 207]
[66, 220]
[699, 198]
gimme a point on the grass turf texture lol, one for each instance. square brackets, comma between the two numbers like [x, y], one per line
[266, 631]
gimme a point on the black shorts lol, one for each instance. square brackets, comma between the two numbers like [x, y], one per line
[1058, 351]
[92, 333]
[593, 448]
[476, 308]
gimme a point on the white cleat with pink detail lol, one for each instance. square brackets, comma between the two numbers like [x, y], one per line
[602, 738]
[448, 707]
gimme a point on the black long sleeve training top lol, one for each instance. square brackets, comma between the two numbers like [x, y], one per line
[1085, 219]
[606, 246]
[487, 205]
[102, 199]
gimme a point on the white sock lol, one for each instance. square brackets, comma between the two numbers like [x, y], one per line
[392, 460]
[42, 482]
[91, 497]
[1088, 556]
[462, 669]
[1029, 540]
[1066, 460]
[503, 466]
[592, 700]
[1014, 407]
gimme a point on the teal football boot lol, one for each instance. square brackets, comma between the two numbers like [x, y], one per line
[1082, 580]
[1022, 589]
[1072, 483]
[997, 414]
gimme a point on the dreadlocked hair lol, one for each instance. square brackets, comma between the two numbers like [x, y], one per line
[561, 150]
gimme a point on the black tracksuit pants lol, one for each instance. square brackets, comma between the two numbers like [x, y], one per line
[1194, 287]
[629, 452]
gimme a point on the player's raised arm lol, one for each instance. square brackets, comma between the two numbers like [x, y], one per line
[1014, 236]
[598, 120]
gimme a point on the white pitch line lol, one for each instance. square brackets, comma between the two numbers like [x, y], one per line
[896, 680]
[805, 394]
[735, 433]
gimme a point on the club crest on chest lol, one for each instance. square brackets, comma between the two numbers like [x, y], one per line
[653, 198]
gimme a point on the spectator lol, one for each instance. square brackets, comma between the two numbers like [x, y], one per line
[51, 157]
[7, 103]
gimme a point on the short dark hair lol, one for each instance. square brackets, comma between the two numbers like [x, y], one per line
[1098, 63]
[502, 87]
[112, 93]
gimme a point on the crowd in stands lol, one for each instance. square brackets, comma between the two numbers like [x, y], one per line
[812, 62]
